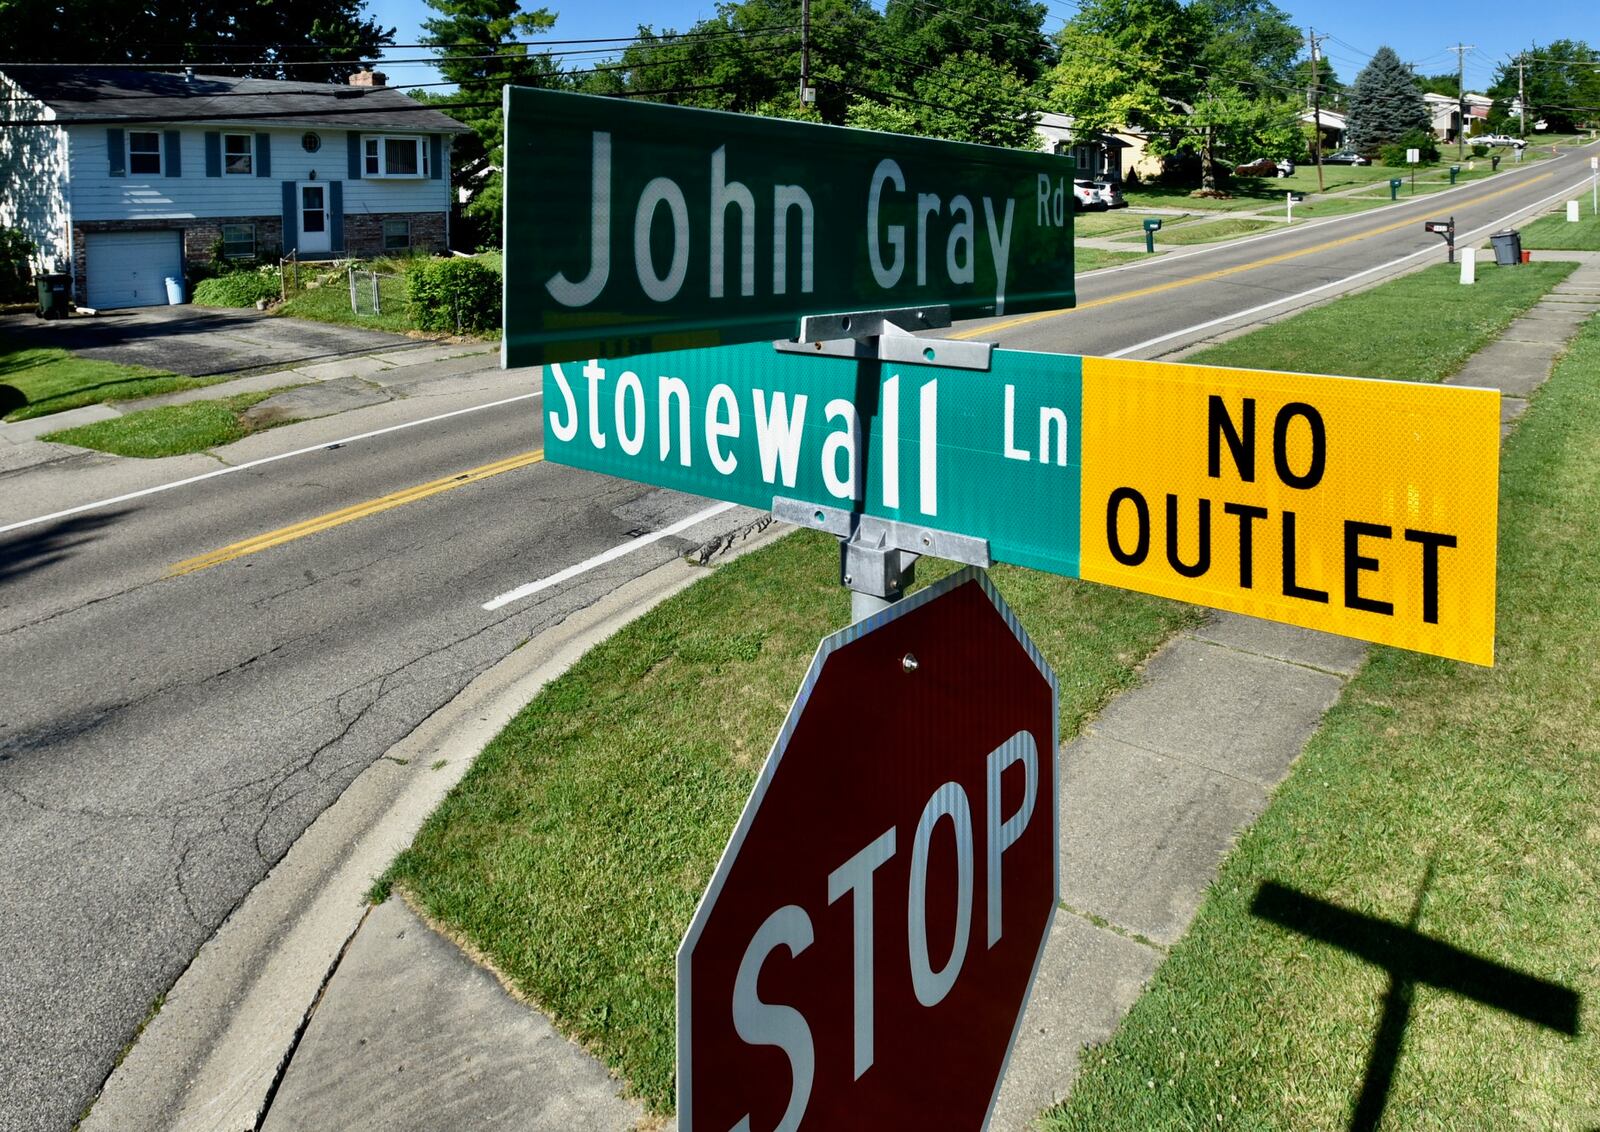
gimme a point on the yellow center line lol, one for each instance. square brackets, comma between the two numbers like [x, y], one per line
[1221, 273]
[351, 514]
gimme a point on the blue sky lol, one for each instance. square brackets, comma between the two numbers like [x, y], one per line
[1420, 33]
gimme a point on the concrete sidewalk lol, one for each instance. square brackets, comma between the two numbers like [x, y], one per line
[411, 1034]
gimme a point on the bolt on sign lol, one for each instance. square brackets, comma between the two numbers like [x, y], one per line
[634, 227]
[865, 948]
[1360, 507]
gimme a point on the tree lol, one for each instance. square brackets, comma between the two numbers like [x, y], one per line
[1327, 79]
[1210, 79]
[1562, 84]
[310, 40]
[1447, 83]
[967, 97]
[1384, 103]
[1008, 32]
[480, 49]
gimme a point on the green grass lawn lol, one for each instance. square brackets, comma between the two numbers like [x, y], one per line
[52, 380]
[1210, 231]
[1093, 259]
[1108, 223]
[1465, 798]
[171, 430]
[1555, 232]
[1421, 327]
[331, 303]
[573, 853]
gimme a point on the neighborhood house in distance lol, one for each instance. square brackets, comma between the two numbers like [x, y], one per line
[128, 177]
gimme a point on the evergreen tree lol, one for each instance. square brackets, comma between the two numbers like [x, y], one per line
[1385, 103]
[481, 48]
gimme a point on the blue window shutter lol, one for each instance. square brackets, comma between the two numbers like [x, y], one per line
[336, 215]
[435, 153]
[355, 155]
[263, 155]
[174, 148]
[291, 218]
[213, 153]
[116, 154]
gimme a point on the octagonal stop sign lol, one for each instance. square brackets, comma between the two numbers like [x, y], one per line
[863, 954]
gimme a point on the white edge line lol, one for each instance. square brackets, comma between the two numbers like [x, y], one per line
[82, 507]
[1471, 234]
[603, 557]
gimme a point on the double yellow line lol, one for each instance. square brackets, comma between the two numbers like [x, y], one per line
[351, 514]
[1222, 273]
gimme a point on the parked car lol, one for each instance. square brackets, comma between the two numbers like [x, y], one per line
[1498, 139]
[1086, 197]
[1265, 167]
[1344, 157]
[1111, 194]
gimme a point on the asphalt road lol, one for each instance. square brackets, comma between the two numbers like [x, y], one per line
[164, 739]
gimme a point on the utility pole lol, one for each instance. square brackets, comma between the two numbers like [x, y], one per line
[1522, 99]
[1316, 108]
[807, 95]
[1461, 50]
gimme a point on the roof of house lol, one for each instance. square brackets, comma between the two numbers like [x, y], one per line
[111, 94]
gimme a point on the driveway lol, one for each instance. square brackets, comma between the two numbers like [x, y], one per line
[201, 341]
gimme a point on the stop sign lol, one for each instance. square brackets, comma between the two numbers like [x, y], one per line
[864, 951]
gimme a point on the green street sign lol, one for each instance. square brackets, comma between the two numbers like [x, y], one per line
[635, 227]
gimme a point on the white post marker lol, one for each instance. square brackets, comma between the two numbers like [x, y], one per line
[1469, 266]
[1572, 212]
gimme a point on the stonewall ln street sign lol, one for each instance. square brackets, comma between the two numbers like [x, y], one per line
[634, 227]
[1366, 508]
[864, 951]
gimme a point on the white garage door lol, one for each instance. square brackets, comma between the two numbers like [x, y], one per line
[129, 269]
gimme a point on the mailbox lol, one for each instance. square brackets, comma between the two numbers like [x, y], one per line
[1394, 187]
[1153, 224]
[1446, 230]
[1454, 170]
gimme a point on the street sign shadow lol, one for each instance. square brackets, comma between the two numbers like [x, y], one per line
[1411, 959]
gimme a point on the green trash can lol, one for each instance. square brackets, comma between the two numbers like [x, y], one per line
[54, 295]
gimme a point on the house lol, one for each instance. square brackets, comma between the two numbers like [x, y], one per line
[1444, 113]
[1109, 156]
[126, 177]
[1331, 125]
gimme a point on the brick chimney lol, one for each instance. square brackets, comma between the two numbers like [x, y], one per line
[369, 78]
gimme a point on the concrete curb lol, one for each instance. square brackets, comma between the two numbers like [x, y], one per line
[213, 1054]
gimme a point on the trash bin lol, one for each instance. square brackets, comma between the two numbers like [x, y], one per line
[53, 294]
[174, 291]
[1507, 247]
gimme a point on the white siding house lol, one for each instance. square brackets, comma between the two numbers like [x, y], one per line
[124, 177]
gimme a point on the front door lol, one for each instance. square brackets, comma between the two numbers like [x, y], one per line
[314, 236]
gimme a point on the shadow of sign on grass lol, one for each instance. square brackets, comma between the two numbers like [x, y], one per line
[1412, 959]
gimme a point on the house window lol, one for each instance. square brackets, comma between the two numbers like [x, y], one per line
[237, 152]
[144, 152]
[313, 213]
[396, 235]
[395, 157]
[239, 241]
[310, 142]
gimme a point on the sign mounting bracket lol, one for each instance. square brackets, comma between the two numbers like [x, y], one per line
[878, 557]
[888, 336]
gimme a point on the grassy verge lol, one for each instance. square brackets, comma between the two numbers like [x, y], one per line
[1467, 799]
[171, 430]
[331, 303]
[573, 852]
[1556, 233]
[1092, 259]
[51, 380]
[1212, 231]
[1382, 332]
[1108, 223]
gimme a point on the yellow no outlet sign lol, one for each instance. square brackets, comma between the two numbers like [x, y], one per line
[1366, 508]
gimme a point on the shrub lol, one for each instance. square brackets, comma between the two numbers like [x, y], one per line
[16, 271]
[454, 295]
[1479, 149]
[1395, 152]
[237, 288]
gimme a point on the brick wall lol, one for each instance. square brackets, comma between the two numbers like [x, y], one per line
[363, 232]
